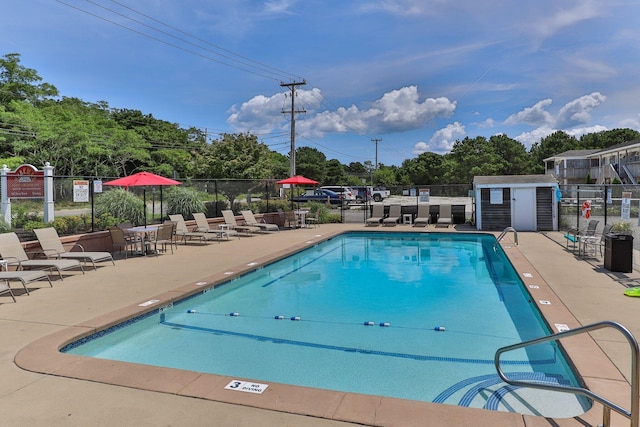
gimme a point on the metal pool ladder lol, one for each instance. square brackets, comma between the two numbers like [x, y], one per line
[504, 233]
[632, 415]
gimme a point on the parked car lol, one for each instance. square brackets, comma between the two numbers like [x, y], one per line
[319, 195]
[346, 193]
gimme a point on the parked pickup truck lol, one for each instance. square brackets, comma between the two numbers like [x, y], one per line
[319, 195]
[380, 193]
[367, 193]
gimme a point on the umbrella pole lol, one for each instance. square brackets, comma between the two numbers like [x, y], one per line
[144, 198]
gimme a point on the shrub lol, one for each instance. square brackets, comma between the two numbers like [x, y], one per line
[120, 204]
[183, 201]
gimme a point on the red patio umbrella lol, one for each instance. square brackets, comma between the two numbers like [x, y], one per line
[144, 179]
[297, 180]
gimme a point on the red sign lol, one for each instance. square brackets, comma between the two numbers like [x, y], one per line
[26, 182]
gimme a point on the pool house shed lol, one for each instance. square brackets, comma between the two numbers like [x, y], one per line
[524, 202]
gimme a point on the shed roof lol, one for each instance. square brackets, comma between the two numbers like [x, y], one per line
[515, 179]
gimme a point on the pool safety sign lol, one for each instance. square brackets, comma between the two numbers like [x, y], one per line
[80, 191]
[246, 386]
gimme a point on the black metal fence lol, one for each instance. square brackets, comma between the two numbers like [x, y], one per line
[610, 204]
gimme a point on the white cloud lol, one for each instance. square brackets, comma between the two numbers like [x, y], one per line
[442, 140]
[550, 23]
[420, 147]
[578, 132]
[632, 123]
[396, 111]
[577, 111]
[536, 115]
[260, 114]
[529, 138]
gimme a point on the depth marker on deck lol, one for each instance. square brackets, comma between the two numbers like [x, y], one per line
[247, 387]
[148, 303]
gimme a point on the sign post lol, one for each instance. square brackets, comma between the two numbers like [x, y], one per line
[26, 182]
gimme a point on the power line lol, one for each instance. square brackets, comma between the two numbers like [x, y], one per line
[262, 72]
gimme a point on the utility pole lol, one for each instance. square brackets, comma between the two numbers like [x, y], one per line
[376, 140]
[293, 112]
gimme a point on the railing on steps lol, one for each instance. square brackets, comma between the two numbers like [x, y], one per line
[632, 414]
[504, 233]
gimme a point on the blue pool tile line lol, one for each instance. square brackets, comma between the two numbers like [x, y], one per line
[354, 349]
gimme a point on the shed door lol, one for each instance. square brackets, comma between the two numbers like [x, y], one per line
[523, 209]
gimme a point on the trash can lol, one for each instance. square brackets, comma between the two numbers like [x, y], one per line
[618, 252]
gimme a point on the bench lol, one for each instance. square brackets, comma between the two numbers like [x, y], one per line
[573, 237]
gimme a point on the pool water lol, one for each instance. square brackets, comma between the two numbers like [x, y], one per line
[409, 315]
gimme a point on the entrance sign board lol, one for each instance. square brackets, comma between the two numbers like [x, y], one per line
[26, 182]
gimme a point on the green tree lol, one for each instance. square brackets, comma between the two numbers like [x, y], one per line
[385, 176]
[608, 138]
[427, 168]
[556, 143]
[334, 173]
[311, 163]
[19, 83]
[238, 156]
[472, 157]
[511, 155]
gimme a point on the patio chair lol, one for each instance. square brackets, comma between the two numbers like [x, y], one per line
[23, 277]
[314, 219]
[423, 218]
[163, 237]
[250, 219]
[11, 250]
[573, 235]
[292, 219]
[52, 247]
[174, 237]
[395, 212]
[202, 226]
[230, 221]
[182, 231]
[120, 242]
[444, 217]
[591, 244]
[377, 215]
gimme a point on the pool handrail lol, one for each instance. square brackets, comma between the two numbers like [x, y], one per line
[504, 233]
[632, 414]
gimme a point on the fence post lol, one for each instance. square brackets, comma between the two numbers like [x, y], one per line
[6, 201]
[48, 193]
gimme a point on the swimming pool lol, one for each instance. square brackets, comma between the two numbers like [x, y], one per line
[413, 283]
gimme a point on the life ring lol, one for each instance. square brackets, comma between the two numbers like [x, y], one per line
[586, 209]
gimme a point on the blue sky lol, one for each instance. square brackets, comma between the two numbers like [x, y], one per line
[416, 74]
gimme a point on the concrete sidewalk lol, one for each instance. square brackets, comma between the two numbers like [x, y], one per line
[33, 399]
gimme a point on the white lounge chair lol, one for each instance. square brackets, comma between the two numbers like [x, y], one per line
[444, 217]
[23, 277]
[202, 226]
[423, 218]
[250, 219]
[230, 220]
[377, 215]
[11, 250]
[183, 232]
[52, 247]
[395, 212]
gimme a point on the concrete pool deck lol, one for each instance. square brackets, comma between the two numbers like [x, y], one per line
[32, 328]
